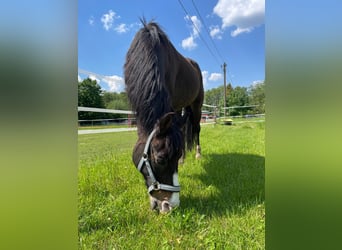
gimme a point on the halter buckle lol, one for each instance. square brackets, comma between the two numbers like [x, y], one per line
[156, 186]
[145, 156]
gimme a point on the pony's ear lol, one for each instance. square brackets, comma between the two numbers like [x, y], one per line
[165, 122]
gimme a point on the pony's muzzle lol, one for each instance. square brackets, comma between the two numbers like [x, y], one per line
[163, 207]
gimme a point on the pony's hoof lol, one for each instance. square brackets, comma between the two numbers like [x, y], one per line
[198, 156]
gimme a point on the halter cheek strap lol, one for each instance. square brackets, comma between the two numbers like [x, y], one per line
[155, 186]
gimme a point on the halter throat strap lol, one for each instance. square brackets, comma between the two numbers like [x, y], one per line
[155, 186]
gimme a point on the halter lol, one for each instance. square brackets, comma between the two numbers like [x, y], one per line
[155, 186]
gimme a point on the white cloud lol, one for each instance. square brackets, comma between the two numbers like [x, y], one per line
[91, 21]
[108, 19]
[245, 15]
[115, 83]
[205, 77]
[122, 28]
[79, 78]
[215, 32]
[239, 31]
[256, 82]
[94, 78]
[189, 43]
[196, 25]
[210, 78]
[215, 77]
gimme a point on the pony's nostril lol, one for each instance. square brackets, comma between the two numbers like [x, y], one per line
[165, 207]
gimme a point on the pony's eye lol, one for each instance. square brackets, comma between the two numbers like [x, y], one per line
[158, 146]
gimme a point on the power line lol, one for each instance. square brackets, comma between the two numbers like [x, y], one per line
[89, 73]
[201, 37]
[199, 33]
[207, 30]
[86, 72]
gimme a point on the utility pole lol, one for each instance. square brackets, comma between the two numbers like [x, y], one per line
[225, 88]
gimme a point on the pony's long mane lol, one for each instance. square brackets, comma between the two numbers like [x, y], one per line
[145, 75]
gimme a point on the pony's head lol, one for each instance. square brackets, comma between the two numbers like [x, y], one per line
[156, 156]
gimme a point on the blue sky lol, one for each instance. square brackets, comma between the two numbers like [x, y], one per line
[233, 30]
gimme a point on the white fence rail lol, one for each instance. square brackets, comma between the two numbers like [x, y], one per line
[113, 111]
[208, 117]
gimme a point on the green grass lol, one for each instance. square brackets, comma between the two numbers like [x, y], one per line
[222, 196]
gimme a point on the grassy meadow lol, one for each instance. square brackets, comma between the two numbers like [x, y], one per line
[222, 197]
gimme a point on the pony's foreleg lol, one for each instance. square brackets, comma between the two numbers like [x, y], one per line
[196, 131]
[198, 151]
[197, 141]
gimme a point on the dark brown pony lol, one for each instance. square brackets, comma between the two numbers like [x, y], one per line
[166, 91]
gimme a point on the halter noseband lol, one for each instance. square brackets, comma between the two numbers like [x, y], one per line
[155, 186]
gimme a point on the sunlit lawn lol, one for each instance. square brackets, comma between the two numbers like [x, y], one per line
[222, 196]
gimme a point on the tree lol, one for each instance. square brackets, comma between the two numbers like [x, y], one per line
[238, 96]
[214, 96]
[108, 97]
[89, 95]
[257, 96]
[229, 90]
[118, 101]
